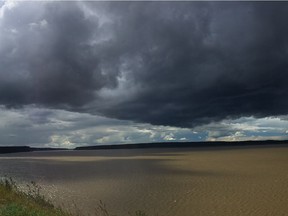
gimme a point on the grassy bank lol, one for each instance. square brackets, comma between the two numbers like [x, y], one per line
[15, 202]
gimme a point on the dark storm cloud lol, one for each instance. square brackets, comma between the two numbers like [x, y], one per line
[165, 63]
[46, 57]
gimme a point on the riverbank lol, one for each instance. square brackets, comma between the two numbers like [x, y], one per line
[14, 202]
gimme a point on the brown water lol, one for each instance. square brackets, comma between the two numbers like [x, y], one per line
[185, 182]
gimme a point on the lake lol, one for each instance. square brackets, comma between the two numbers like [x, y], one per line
[167, 182]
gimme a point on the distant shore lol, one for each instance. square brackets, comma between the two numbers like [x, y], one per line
[185, 145]
[15, 149]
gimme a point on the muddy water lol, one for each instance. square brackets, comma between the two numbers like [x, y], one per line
[168, 182]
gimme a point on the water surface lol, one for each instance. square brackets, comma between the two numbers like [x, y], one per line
[168, 182]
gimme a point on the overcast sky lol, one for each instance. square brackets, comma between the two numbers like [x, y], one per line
[86, 73]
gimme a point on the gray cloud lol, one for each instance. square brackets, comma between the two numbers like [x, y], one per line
[165, 63]
[46, 56]
[58, 128]
[246, 128]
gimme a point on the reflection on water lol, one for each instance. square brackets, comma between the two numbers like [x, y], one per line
[248, 181]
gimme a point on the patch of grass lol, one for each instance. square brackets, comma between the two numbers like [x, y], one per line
[19, 210]
[15, 202]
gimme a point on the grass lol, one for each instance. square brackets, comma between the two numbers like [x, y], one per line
[15, 202]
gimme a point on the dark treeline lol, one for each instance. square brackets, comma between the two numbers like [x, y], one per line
[184, 145]
[11, 149]
[14, 149]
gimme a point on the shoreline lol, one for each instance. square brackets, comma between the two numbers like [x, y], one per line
[158, 145]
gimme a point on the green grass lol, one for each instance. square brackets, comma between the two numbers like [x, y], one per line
[15, 202]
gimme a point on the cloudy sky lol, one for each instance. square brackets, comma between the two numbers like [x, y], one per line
[86, 73]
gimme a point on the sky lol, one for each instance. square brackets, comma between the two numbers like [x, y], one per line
[78, 73]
